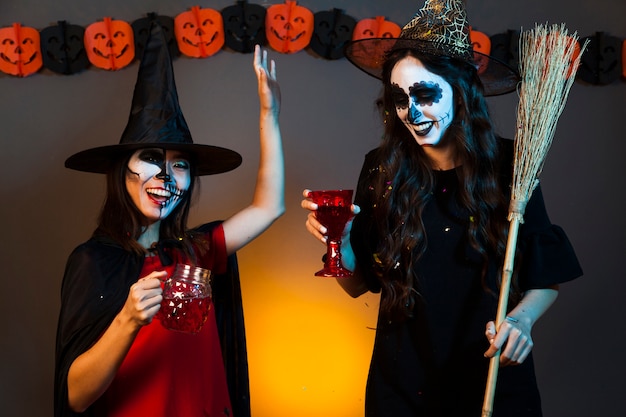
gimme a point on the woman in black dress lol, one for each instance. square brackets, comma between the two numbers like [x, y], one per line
[430, 228]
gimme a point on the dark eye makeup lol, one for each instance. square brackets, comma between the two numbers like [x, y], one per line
[426, 93]
[154, 156]
[400, 98]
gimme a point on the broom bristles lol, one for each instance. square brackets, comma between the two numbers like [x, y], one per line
[548, 65]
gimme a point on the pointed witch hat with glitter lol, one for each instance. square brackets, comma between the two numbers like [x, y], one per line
[439, 28]
[156, 120]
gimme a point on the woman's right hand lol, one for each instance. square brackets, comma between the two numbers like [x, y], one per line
[315, 227]
[91, 373]
[144, 298]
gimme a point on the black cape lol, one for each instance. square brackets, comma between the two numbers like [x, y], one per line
[91, 296]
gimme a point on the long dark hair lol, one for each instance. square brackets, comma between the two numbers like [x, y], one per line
[405, 167]
[122, 221]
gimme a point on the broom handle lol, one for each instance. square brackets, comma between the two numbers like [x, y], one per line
[507, 272]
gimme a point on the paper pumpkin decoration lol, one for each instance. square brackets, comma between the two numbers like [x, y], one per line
[505, 47]
[63, 48]
[376, 27]
[199, 32]
[481, 44]
[288, 27]
[20, 50]
[244, 26]
[332, 30]
[601, 63]
[141, 30]
[110, 44]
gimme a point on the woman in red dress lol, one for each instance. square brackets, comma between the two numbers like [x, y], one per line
[113, 358]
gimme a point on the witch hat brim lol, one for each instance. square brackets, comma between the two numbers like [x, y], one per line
[156, 120]
[439, 28]
[370, 54]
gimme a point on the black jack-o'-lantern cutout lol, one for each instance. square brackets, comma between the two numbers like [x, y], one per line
[20, 50]
[505, 47]
[110, 44]
[141, 31]
[332, 30]
[244, 26]
[199, 32]
[63, 48]
[601, 62]
[288, 27]
[481, 44]
[377, 27]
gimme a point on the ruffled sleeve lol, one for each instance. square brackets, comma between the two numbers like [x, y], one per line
[546, 256]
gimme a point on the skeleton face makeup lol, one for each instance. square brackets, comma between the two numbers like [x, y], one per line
[424, 101]
[156, 180]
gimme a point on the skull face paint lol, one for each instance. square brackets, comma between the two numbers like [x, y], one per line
[424, 101]
[156, 180]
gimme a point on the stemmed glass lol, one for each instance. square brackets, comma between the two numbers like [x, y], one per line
[333, 211]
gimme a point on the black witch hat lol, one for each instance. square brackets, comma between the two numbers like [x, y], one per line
[439, 28]
[156, 120]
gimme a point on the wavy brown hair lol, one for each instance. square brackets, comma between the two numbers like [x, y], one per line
[405, 166]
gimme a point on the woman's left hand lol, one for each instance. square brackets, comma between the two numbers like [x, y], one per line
[269, 90]
[513, 336]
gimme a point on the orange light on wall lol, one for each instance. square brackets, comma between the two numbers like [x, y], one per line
[309, 343]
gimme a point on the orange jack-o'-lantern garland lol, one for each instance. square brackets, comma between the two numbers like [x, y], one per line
[110, 44]
[287, 27]
[20, 51]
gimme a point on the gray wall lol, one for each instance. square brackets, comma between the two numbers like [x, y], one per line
[328, 124]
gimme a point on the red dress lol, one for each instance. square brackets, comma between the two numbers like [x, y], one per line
[168, 373]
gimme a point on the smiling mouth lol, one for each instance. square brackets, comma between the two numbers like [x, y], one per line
[201, 42]
[422, 129]
[164, 196]
[286, 38]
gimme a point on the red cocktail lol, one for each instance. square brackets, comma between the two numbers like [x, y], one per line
[333, 211]
[186, 299]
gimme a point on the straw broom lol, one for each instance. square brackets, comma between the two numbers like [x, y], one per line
[547, 64]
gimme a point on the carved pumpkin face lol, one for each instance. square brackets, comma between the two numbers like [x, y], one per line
[600, 64]
[199, 32]
[20, 50]
[244, 26]
[288, 27]
[110, 44]
[332, 30]
[63, 48]
[376, 28]
[505, 47]
[141, 31]
[482, 44]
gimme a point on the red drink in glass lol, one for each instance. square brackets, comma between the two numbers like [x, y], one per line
[334, 218]
[186, 299]
[185, 314]
[333, 211]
